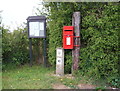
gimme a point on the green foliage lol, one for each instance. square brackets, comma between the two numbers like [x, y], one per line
[57, 19]
[0, 57]
[99, 36]
[68, 62]
[114, 81]
[15, 46]
[99, 56]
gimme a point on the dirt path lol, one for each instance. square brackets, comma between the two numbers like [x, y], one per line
[79, 86]
[60, 86]
[86, 86]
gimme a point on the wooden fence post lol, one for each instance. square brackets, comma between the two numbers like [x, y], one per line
[76, 50]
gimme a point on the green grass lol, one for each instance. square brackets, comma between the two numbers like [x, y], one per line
[26, 77]
[38, 77]
[0, 75]
[72, 83]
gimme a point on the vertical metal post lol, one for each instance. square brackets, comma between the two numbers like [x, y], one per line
[44, 50]
[76, 50]
[30, 48]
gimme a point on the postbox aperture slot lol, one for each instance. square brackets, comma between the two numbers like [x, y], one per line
[68, 30]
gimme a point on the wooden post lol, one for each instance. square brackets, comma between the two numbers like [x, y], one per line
[44, 50]
[30, 48]
[76, 50]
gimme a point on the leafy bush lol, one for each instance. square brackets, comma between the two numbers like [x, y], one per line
[99, 36]
[15, 46]
[114, 81]
[99, 56]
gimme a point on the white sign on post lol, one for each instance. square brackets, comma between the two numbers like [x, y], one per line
[36, 26]
[59, 53]
[60, 61]
[36, 29]
[68, 41]
[41, 25]
[41, 28]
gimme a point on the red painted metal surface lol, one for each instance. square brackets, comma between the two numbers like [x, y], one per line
[68, 37]
[74, 38]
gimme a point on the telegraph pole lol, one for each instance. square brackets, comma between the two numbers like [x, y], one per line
[76, 50]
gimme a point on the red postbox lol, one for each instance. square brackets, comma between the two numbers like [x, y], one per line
[68, 37]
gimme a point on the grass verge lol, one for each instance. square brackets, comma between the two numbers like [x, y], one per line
[38, 77]
[25, 77]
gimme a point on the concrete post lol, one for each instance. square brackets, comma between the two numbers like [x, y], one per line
[60, 61]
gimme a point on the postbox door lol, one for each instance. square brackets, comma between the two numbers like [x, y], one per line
[68, 42]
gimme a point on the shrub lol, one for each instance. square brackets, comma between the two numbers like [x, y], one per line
[99, 36]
